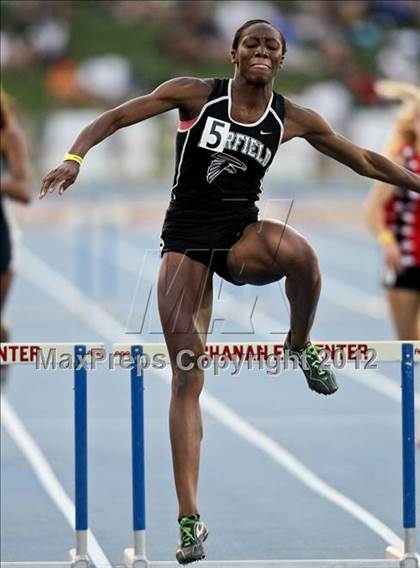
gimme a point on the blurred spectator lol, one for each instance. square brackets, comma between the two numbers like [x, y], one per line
[49, 38]
[339, 60]
[41, 29]
[231, 14]
[106, 77]
[398, 11]
[62, 83]
[15, 51]
[399, 58]
[360, 85]
[129, 10]
[194, 35]
[331, 99]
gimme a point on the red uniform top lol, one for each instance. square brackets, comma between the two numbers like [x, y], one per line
[402, 212]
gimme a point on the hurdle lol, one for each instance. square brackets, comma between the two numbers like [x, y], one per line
[72, 354]
[407, 353]
[355, 351]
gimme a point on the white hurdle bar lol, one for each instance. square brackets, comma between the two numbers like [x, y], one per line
[407, 353]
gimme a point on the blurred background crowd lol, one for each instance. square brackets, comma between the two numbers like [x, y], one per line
[60, 58]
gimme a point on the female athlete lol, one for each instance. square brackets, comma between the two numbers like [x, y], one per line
[229, 133]
[14, 184]
[393, 215]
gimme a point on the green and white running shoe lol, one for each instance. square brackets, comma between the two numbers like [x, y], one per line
[319, 379]
[193, 533]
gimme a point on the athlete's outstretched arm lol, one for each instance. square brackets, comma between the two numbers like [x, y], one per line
[183, 93]
[308, 124]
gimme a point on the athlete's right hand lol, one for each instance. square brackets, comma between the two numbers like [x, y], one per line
[60, 178]
[392, 257]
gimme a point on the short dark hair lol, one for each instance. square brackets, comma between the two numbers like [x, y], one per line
[249, 23]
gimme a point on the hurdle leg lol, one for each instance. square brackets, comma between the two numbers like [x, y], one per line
[79, 555]
[136, 557]
[409, 557]
[409, 456]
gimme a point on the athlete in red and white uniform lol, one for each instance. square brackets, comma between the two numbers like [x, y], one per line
[402, 217]
[393, 215]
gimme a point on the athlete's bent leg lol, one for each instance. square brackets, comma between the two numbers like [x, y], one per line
[185, 304]
[269, 250]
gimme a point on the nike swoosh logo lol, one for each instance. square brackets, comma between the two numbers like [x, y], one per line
[263, 132]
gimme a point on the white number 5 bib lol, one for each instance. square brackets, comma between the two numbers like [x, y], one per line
[215, 134]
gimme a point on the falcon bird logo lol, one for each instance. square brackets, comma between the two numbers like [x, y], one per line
[223, 163]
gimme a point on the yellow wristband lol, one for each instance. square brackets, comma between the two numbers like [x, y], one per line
[74, 158]
[386, 237]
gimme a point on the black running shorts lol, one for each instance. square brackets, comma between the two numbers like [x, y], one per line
[207, 241]
[408, 279]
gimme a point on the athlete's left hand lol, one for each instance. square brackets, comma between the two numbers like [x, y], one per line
[60, 178]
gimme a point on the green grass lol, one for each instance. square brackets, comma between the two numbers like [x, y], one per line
[28, 88]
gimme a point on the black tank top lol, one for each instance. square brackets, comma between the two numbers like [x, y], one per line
[220, 163]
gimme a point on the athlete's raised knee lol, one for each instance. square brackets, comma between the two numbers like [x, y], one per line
[303, 259]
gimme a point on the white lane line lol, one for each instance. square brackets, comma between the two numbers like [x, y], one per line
[42, 275]
[43, 471]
